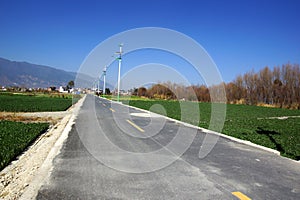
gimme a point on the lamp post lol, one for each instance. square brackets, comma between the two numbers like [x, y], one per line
[104, 74]
[120, 60]
[98, 86]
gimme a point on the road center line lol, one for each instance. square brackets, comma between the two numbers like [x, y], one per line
[112, 110]
[135, 126]
[240, 195]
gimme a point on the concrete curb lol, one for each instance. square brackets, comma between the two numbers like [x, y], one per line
[208, 131]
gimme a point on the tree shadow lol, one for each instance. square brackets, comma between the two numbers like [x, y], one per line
[270, 136]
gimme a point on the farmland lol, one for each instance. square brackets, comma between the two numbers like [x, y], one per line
[253, 123]
[15, 137]
[34, 103]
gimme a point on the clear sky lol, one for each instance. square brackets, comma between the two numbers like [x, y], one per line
[239, 35]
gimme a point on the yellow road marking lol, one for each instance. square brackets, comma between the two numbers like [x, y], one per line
[240, 195]
[112, 110]
[135, 126]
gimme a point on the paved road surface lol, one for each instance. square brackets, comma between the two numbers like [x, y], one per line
[230, 167]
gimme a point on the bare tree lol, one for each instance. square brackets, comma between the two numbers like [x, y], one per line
[142, 91]
[279, 86]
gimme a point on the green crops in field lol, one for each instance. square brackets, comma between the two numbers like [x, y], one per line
[15, 137]
[26, 103]
[245, 122]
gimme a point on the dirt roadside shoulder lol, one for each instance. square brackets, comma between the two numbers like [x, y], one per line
[17, 178]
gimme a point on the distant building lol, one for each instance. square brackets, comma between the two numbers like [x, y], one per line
[63, 89]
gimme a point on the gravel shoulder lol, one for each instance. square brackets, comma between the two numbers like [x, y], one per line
[17, 177]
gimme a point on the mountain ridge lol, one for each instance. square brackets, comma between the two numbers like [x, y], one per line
[25, 74]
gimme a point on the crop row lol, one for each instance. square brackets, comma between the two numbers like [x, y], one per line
[15, 137]
[27, 103]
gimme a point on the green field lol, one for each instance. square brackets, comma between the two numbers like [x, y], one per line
[244, 122]
[15, 137]
[34, 103]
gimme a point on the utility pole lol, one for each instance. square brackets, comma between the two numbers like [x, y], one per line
[120, 60]
[98, 87]
[104, 74]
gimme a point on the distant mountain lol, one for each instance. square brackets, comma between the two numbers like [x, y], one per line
[25, 74]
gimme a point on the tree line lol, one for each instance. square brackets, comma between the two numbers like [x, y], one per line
[278, 87]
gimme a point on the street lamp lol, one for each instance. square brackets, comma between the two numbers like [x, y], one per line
[120, 60]
[104, 74]
[98, 87]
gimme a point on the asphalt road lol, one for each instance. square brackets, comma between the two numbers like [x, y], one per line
[107, 155]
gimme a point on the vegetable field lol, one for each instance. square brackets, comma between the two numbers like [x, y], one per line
[15, 137]
[33, 103]
[256, 124]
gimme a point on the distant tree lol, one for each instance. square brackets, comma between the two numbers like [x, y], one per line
[277, 91]
[280, 86]
[107, 91]
[231, 92]
[265, 86]
[251, 79]
[135, 91]
[161, 91]
[70, 84]
[142, 91]
[202, 93]
[53, 88]
[240, 90]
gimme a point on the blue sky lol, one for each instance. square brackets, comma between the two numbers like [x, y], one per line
[239, 35]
